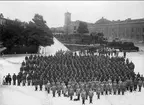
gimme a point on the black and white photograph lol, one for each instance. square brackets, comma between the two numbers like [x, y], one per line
[71, 52]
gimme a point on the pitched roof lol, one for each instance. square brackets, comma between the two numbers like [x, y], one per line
[103, 21]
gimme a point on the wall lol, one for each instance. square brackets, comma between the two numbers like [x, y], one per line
[123, 30]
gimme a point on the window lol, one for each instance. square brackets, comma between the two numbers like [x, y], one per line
[132, 30]
[137, 37]
[74, 27]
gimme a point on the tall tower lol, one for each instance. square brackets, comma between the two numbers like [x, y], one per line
[67, 18]
[67, 22]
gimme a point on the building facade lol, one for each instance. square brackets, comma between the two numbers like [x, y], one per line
[2, 19]
[126, 29]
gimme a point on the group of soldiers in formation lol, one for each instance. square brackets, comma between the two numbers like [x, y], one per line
[68, 73]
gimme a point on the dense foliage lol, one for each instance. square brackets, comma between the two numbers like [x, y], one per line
[17, 33]
[82, 28]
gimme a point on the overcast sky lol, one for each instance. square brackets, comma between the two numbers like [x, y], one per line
[89, 11]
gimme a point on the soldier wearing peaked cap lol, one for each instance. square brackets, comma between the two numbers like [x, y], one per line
[48, 86]
[106, 88]
[71, 92]
[98, 91]
[91, 94]
[40, 84]
[83, 96]
[59, 89]
[65, 90]
[78, 91]
[110, 87]
[36, 84]
[123, 87]
[102, 88]
[53, 88]
[115, 87]
[135, 82]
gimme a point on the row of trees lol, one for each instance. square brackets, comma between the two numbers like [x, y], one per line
[17, 33]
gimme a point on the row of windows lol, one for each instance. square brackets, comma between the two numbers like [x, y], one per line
[127, 30]
[137, 29]
[121, 29]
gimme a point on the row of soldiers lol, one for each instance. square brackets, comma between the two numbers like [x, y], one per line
[87, 89]
[111, 52]
[66, 67]
[7, 80]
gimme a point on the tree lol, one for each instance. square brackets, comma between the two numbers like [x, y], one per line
[11, 33]
[37, 32]
[46, 35]
[17, 33]
[82, 28]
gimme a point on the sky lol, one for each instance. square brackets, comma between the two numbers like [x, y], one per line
[89, 11]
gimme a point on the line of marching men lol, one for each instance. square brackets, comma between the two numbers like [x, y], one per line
[87, 89]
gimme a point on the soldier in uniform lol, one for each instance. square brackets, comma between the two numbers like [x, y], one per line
[119, 87]
[114, 87]
[59, 88]
[83, 96]
[102, 88]
[63, 85]
[40, 84]
[135, 84]
[68, 87]
[71, 92]
[110, 87]
[18, 79]
[45, 83]
[91, 94]
[8, 79]
[64, 89]
[24, 79]
[106, 88]
[48, 86]
[14, 79]
[139, 84]
[123, 87]
[127, 83]
[53, 88]
[36, 84]
[78, 91]
[87, 90]
[131, 85]
[98, 91]
[29, 79]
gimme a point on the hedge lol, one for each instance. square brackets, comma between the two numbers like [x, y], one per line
[21, 50]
